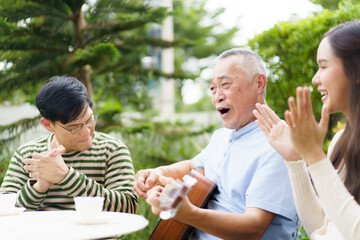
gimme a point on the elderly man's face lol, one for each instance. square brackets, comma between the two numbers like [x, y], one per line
[233, 94]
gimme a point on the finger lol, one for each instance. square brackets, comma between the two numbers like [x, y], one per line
[262, 127]
[292, 112]
[151, 180]
[260, 121]
[32, 170]
[300, 100]
[263, 117]
[325, 116]
[264, 114]
[34, 175]
[155, 191]
[33, 167]
[38, 155]
[165, 180]
[29, 168]
[308, 103]
[142, 194]
[140, 179]
[57, 151]
[153, 196]
[288, 119]
[139, 187]
[28, 161]
[31, 161]
[275, 118]
[26, 167]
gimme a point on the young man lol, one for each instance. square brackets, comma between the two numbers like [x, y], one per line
[254, 198]
[74, 159]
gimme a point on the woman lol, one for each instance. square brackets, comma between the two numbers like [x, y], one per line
[333, 211]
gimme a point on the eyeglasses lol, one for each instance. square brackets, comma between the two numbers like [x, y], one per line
[78, 127]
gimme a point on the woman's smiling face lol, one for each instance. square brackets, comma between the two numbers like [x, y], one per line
[331, 79]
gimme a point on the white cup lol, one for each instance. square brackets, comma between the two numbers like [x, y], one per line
[7, 201]
[89, 207]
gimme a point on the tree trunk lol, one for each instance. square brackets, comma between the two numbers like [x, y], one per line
[84, 74]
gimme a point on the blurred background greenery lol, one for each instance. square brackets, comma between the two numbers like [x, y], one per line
[103, 44]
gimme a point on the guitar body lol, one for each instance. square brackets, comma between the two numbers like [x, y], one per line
[199, 195]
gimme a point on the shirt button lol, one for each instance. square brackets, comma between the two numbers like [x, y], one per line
[230, 141]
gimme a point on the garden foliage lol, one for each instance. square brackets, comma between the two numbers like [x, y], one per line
[50, 44]
[289, 49]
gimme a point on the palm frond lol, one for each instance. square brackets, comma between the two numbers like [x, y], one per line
[29, 74]
[104, 7]
[99, 29]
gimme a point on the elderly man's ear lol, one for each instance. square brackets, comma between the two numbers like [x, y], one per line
[261, 81]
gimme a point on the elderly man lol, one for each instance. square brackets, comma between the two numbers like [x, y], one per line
[74, 159]
[254, 198]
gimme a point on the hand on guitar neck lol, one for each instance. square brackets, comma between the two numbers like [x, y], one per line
[197, 197]
[169, 198]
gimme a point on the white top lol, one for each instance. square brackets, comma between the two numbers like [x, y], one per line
[334, 215]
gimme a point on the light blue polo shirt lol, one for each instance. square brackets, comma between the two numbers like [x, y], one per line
[249, 173]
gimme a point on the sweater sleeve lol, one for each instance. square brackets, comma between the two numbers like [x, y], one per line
[338, 203]
[307, 204]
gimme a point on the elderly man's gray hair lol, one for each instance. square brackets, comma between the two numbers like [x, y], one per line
[250, 62]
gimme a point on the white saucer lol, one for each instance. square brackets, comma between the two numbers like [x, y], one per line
[12, 211]
[101, 219]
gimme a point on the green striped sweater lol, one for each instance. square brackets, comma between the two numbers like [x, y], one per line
[105, 170]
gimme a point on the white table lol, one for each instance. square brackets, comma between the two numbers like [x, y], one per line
[62, 225]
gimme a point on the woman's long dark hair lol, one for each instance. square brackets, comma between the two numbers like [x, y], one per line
[345, 42]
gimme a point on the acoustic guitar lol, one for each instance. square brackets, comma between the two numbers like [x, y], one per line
[199, 195]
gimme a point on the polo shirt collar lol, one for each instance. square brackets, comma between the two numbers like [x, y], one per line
[242, 131]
